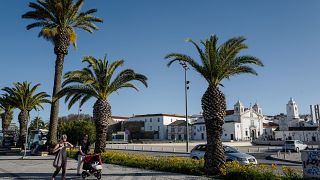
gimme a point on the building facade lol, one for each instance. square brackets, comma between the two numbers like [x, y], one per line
[178, 130]
[157, 123]
[240, 124]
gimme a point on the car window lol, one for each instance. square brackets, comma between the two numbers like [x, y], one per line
[201, 148]
[228, 149]
[289, 142]
[300, 142]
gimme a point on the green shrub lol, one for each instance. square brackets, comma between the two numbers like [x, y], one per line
[233, 170]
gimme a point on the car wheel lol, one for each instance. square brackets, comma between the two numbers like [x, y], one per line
[195, 157]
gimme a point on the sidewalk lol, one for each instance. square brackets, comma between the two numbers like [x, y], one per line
[11, 167]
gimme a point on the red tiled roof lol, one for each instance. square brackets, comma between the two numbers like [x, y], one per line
[229, 112]
[270, 124]
[119, 117]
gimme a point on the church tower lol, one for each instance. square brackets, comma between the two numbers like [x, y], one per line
[292, 110]
[238, 108]
[257, 108]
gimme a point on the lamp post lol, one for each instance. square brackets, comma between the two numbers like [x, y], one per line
[186, 87]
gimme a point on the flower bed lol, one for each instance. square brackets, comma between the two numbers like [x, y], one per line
[231, 170]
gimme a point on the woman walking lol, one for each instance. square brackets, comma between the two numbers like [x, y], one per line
[60, 161]
[83, 150]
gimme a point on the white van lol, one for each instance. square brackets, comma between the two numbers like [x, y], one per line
[294, 145]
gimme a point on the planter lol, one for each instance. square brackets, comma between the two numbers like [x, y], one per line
[311, 163]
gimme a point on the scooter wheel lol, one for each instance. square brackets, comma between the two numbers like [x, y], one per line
[84, 175]
[98, 174]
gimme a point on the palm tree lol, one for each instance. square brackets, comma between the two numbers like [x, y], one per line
[25, 98]
[95, 81]
[217, 64]
[58, 20]
[7, 115]
[37, 123]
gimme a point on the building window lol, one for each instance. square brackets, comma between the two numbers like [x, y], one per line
[158, 119]
[225, 134]
[246, 133]
[150, 119]
[150, 128]
[194, 134]
[258, 133]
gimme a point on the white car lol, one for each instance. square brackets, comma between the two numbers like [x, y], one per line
[230, 154]
[294, 145]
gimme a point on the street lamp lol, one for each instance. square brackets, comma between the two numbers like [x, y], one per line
[186, 87]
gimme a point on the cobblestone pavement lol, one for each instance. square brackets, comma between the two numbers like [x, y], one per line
[42, 169]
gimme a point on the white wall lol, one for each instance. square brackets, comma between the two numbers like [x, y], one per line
[199, 132]
[298, 135]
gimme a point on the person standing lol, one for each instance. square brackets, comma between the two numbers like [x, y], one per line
[60, 161]
[83, 150]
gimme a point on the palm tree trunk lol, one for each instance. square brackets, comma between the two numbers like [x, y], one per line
[61, 50]
[3, 116]
[8, 115]
[214, 108]
[101, 117]
[23, 121]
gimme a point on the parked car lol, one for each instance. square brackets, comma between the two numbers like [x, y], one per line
[294, 145]
[230, 153]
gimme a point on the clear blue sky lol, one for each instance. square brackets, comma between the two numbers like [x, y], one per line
[285, 35]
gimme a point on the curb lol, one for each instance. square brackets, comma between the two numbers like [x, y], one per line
[284, 160]
[164, 152]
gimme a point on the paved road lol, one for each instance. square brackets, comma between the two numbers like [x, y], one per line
[42, 169]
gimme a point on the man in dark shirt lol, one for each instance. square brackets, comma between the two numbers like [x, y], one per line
[83, 150]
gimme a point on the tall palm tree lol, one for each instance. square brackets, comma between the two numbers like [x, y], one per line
[24, 97]
[217, 64]
[7, 115]
[96, 81]
[58, 20]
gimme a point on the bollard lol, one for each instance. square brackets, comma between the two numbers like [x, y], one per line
[142, 148]
[174, 150]
[258, 149]
[151, 148]
[289, 152]
[110, 146]
[162, 149]
[134, 148]
[278, 154]
[125, 147]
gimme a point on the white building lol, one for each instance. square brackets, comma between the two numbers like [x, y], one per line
[295, 127]
[177, 130]
[240, 124]
[243, 123]
[157, 123]
[198, 128]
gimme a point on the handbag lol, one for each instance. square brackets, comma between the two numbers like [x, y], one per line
[57, 162]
